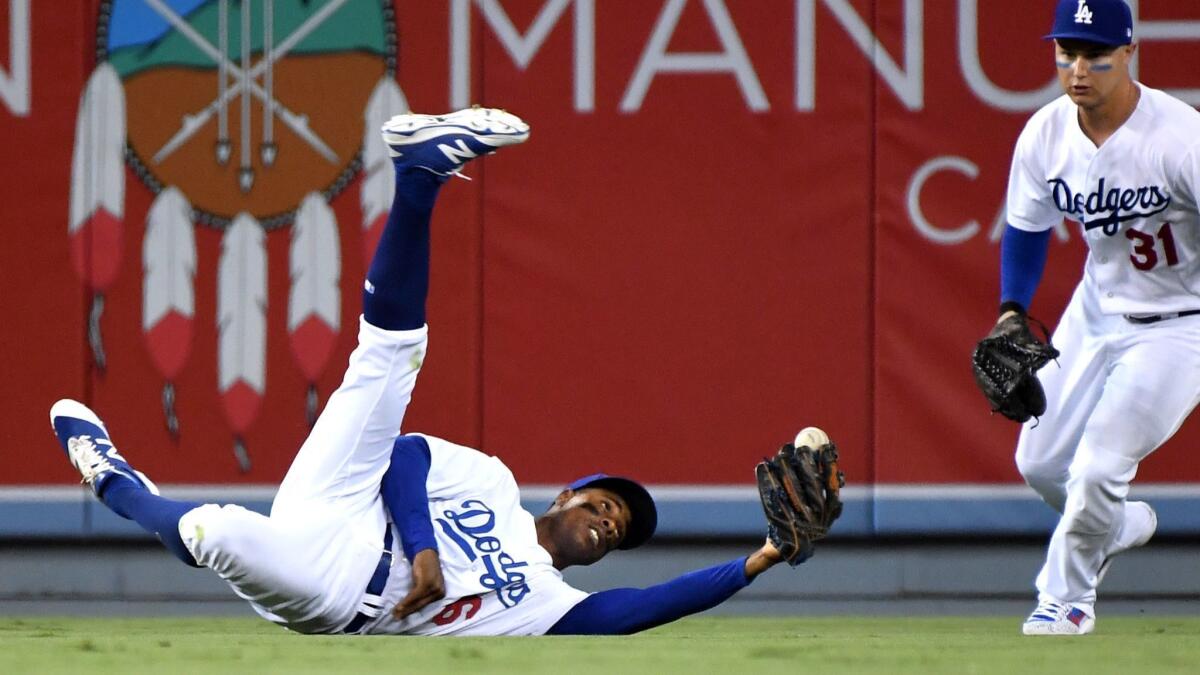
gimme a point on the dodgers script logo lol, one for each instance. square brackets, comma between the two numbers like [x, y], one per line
[470, 529]
[1108, 207]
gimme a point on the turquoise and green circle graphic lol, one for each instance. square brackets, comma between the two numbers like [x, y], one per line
[247, 105]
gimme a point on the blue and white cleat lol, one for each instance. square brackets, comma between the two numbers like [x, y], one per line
[1058, 618]
[85, 440]
[442, 144]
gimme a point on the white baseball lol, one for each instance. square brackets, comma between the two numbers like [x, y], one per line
[812, 437]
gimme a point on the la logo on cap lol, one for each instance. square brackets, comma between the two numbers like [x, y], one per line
[1084, 13]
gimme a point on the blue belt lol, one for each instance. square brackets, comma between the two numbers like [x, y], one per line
[372, 603]
[1160, 317]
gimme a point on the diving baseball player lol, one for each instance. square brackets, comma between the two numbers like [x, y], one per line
[376, 532]
[1123, 160]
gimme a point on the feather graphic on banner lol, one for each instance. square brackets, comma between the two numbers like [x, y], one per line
[97, 203]
[242, 326]
[379, 182]
[315, 300]
[168, 293]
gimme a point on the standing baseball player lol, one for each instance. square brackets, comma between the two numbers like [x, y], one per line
[1123, 160]
[376, 532]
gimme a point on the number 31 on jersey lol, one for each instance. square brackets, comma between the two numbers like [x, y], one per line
[1145, 249]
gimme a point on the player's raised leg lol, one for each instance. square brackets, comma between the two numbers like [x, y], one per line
[426, 150]
[120, 487]
[345, 456]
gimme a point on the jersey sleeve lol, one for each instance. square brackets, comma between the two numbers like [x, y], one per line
[1030, 205]
[621, 611]
[405, 495]
[1189, 175]
[1022, 262]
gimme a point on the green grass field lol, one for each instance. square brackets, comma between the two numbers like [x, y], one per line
[703, 645]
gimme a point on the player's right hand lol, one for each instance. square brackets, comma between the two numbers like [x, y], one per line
[427, 583]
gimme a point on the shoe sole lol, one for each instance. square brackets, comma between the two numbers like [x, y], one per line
[1036, 629]
[489, 126]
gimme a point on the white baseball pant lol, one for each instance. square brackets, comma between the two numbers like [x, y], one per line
[307, 566]
[1119, 391]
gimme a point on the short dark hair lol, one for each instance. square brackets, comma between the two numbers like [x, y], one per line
[1077, 45]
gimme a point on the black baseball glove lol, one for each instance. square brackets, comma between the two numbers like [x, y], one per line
[1006, 364]
[800, 493]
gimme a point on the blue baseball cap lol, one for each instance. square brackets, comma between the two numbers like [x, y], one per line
[643, 514]
[1107, 22]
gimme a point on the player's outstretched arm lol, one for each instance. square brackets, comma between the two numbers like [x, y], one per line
[622, 611]
[800, 492]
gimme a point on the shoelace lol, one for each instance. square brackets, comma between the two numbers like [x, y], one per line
[454, 172]
[90, 461]
[1049, 610]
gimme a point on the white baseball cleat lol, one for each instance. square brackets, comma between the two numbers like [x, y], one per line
[442, 144]
[1141, 521]
[85, 439]
[1058, 618]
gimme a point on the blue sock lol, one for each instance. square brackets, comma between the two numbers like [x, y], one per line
[398, 278]
[155, 514]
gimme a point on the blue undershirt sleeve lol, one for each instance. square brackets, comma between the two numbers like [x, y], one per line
[1022, 260]
[404, 494]
[621, 611]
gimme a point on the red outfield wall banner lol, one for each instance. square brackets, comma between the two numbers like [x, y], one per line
[733, 218]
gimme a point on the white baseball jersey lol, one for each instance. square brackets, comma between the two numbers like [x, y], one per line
[499, 580]
[308, 565]
[1135, 196]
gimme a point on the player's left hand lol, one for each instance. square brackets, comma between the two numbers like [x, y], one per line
[1005, 364]
[763, 559]
[800, 490]
[427, 583]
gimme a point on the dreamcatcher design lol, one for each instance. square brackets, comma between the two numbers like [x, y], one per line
[229, 159]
